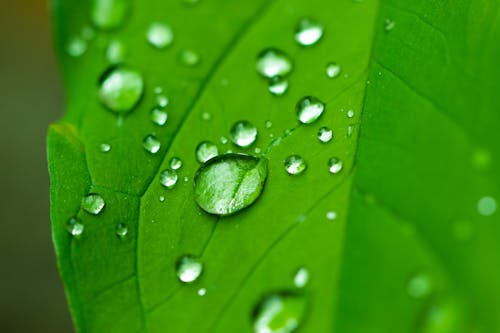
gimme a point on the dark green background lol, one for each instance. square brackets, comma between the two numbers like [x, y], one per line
[31, 294]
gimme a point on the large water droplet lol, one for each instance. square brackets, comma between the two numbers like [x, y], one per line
[308, 32]
[309, 109]
[325, 134]
[75, 227]
[160, 35]
[93, 203]
[278, 86]
[189, 58]
[335, 165]
[279, 313]
[243, 134]
[109, 14]
[189, 269]
[419, 286]
[168, 178]
[333, 70]
[229, 183]
[487, 206]
[295, 165]
[76, 46]
[151, 144]
[159, 117]
[121, 230]
[175, 163]
[272, 63]
[121, 89]
[301, 278]
[205, 151]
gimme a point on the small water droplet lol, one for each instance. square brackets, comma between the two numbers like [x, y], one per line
[350, 130]
[333, 70]
[301, 278]
[257, 150]
[168, 178]
[205, 151]
[295, 165]
[75, 227]
[206, 116]
[279, 313]
[115, 52]
[121, 230]
[308, 32]
[487, 206]
[325, 134]
[121, 89]
[162, 101]
[350, 114]
[309, 109]
[268, 124]
[389, 25]
[160, 35]
[335, 165]
[202, 292]
[93, 203]
[158, 90]
[159, 117]
[189, 58]
[331, 215]
[278, 86]
[223, 140]
[189, 269]
[229, 183]
[243, 134]
[186, 179]
[419, 286]
[272, 63]
[88, 33]
[76, 46]
[109, 14]
[175, 163]
[162, 198]
[151, 144]
[104, 147]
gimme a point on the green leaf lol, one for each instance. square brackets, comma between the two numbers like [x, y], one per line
[408, 251]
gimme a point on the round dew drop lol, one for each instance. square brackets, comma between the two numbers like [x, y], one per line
[76, 47]
[189, 58]
[115, 52]
[121, 230]
[325, 134]
[333, 70]
[487, 206]
[151, 144]
[279, 313]
[75, 227]
[278, 86]
[93, 203]
[335, 165]
[175, 163]
[331, 215]
[159, 117]
[109, 14]
[272, 63]
[168, 178]
[243, 134]
[120, 89]
[104, 147]
[160, 35]
[419, 286]
[308, 32]
[301, 278]
[189, 269]
[205, 151]
[309, 109]
[295, 165]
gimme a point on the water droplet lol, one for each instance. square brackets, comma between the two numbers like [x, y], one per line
[278, 86]
[160, 35]
[335, 165]
[109, 14]
[223, 140]
[279, 313]
[168, 178]
[186, 179]
[331, 215]
[76, 46]
[115, 52]
[121, 89]
[162, 198]
[74, 227]
[268, 124]
[295, 165]
[325, 134]
[151, 144]
[202, 292]
[308, 32]
[389, 25]
[487, 206]
[257, 150]
[189, 58]
[121, 230]
[93, 203]
[243, 134]
[206, 116]
[205, 151]
[159, 117]
[419, 286]
[301, 278]
[105, 147]
[175, 163]
[189, 269]
[350, 114]
[333, 70]
[350, 130]
[229, 183]
[272, 63]
[309, 109]
[158, 90]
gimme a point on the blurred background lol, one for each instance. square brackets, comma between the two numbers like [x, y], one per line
[31, 293]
